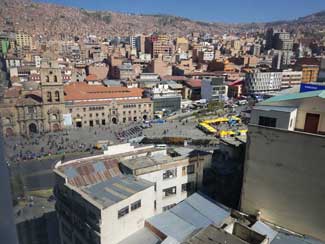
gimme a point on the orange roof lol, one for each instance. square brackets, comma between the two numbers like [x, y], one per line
[82, 91]
[126, 101]
[194, 83]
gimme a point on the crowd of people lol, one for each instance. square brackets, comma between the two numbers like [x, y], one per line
[77, 140]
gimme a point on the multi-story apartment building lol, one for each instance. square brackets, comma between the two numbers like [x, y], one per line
[259, 81]
[214, 89]
[282, 41]
[284, 168]
[309, 73]
[24, 40]
[98, 203]
[291, 78]
[175, 176]
[100, 206]
[165, 99]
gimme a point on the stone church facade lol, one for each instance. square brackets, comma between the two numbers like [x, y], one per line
[28, 110]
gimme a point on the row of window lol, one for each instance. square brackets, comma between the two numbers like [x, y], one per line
[94, 108]
[124, 211]
[186, 187]
[172, 173]
[56, 96]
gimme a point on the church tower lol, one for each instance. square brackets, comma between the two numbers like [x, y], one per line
[52, 96]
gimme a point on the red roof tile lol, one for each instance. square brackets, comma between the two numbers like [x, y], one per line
[194, 83]
[83, 91]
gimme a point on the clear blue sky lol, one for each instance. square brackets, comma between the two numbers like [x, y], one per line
[231, 11]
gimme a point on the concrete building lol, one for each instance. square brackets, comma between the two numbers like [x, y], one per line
[24, 40]
[140, 43]
[161, 67]
[259, 81]
[192, 89]
[291, 78]
[282, 41]
[214, 89]
[309, 73]
[100, 206]
[198, 220]
[175, 175]
[96, 203]
[95, 105]
[165, 99]
[284, 170]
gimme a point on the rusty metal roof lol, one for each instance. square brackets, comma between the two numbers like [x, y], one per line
[94, 171]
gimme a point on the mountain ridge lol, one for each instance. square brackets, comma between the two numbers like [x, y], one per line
[54, 20]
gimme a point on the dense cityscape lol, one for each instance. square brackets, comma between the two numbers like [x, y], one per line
[138, 128]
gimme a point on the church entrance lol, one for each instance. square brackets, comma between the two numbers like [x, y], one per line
[32, 128]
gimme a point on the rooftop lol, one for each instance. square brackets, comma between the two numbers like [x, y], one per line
[194, 213]
[83, 91]
[87, 172]
[275, 108]
[147, 161]
[194, 83]
[292, 96]
[116, 189]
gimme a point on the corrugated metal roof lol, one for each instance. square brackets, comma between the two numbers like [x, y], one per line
[186, 212]
[172, 225]
[90, 172]
[206, 208]
[115, 189]
[193, 213]
[320, 94]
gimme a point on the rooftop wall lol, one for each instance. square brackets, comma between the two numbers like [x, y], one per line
[284, 179]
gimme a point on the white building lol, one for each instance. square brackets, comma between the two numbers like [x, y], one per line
[98, 204]
[259, 81]
[175, 178]
[214, 89]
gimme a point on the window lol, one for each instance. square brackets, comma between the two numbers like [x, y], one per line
[267, 121]
[190, 169]
[55, 78]
[169, 191]
[188, 187]
[31, 110]
[135, 205]
[122, 212]
[168, 207]
[170, 173]
[49, 96]
[57, 96]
